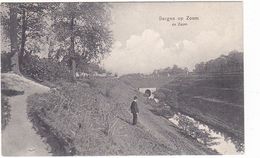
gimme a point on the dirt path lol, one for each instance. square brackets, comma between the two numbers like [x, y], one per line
[19, 138]
[152, 132]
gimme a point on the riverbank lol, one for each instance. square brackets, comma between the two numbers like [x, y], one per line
[215, 101]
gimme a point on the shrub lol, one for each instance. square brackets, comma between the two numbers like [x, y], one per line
[5, 62]
[45, 69]
[160, 95]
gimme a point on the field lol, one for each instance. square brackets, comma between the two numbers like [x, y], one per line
[216, 100]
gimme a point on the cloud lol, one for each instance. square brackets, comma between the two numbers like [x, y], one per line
[142, 54]
[147, 52]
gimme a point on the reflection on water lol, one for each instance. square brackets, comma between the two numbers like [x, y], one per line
[211, 138]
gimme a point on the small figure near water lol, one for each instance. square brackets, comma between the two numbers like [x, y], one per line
[134, 110]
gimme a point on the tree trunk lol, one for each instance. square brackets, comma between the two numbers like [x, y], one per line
[13, 38]
[72, 49]
[23, 39]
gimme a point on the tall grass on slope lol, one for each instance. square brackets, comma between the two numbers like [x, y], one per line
[80, 115]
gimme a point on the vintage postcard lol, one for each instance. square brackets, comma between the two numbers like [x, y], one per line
[122, 78]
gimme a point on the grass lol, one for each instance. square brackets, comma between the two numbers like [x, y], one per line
[80, 114]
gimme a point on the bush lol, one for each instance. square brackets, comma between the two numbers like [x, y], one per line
[5, 62]
[160, 95]
[45, 69]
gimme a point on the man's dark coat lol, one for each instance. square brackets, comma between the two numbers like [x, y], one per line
[134, 108]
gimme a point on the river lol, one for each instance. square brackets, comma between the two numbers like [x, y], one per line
[218, 141]
[215, 140]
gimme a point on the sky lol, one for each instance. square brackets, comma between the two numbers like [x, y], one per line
[143, 42]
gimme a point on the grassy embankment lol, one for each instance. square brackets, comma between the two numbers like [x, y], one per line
[77, 115]
[91, 117]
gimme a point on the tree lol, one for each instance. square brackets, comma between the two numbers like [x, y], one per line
[84, 30]
[186, 70]
[24, 24]
[200, 68]
[9, 24]
[13, 38]
[231, 63]
[31, 26]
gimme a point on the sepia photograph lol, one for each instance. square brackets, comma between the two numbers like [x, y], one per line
[122, 78]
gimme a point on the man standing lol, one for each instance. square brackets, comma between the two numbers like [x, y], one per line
[134, 110]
